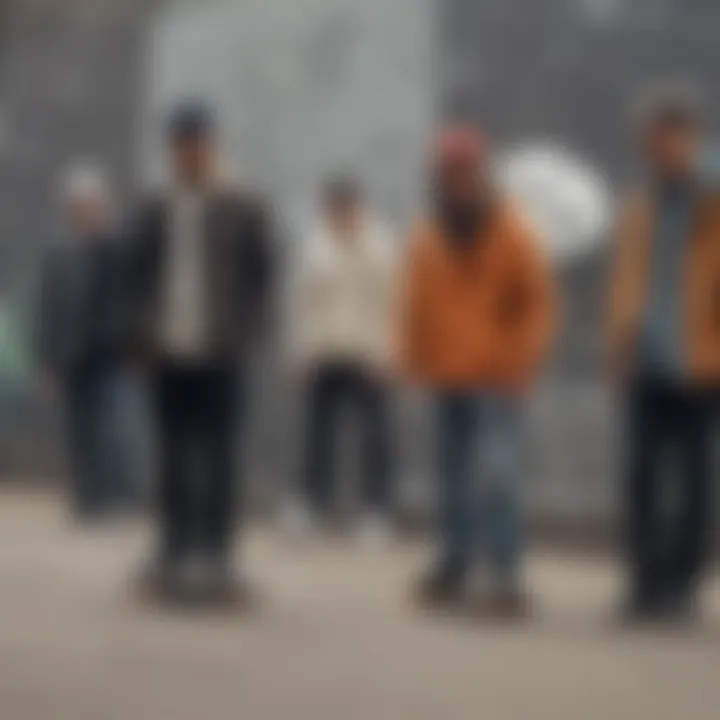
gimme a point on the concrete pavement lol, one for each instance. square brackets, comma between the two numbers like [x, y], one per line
[335, 640]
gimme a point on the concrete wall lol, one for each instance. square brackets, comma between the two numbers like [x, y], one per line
[562, 74]
[307, 85]
[69, 77]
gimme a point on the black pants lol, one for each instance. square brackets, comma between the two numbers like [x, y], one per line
[197, 411]
[668, 489]
[334, 388]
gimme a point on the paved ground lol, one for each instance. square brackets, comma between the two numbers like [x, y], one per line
[334, 641]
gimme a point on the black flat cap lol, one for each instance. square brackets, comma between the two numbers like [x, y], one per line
[191, 118]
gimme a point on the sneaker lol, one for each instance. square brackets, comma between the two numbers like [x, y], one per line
[640, 608]
[442, 586]
[224, 587]
[194, 575]
[679, 607]
[158, 576]
[297, 521]
[375, 532]
[217, 567]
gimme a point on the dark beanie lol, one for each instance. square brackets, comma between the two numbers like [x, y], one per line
[190, 118]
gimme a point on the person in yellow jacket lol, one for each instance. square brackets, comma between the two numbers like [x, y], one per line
[664, 350]
[477, 320]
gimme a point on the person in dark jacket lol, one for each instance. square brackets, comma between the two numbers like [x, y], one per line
[196, 289]
[664, 351]
[79, 348]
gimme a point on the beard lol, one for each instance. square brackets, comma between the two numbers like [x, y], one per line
[463, 222]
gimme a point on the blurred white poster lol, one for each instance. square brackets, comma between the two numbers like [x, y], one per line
[565, 196]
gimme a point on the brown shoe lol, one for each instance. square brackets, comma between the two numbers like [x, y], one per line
[501, 605]
[156, 579]
[442, 587]
[216, 588]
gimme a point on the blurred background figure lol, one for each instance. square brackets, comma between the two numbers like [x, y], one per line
[478, 321]
[79, 347]
[340, 327]
[665, 354]
[197, 276]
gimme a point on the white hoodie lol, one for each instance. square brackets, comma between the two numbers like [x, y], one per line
[342, 299]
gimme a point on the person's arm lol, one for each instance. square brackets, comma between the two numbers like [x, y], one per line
[620, 290]
[47, 317]
[134, 277]
[410, 325]
[258, 270]
[531, 306]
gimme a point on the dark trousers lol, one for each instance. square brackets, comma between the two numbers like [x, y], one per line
[668, 488]
[197, 410]
[334, 388]
[102, 455]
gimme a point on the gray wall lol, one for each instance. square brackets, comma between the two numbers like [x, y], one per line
[68, 87]
[303, 88]
[309, 84]
[566, 71]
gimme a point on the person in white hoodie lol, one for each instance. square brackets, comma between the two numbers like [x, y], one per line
[342, 306]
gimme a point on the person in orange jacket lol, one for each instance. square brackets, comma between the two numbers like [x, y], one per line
[478, 318]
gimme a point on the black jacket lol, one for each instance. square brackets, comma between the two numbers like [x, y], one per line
[80, 315]
[238, 262]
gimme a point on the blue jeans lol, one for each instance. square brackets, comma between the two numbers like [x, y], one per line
[103, 427]
[479, 438]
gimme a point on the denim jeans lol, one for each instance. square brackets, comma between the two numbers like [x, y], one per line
[479, 439]
[103, 426]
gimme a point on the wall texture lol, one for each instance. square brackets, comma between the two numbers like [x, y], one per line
[563, 73]
[307, 85]
[69, 78]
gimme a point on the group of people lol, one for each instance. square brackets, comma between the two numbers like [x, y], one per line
[467, 309]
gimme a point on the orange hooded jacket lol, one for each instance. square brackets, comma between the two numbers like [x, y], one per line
[481, 316]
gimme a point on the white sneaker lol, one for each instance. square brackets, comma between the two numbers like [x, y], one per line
[375, 532]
